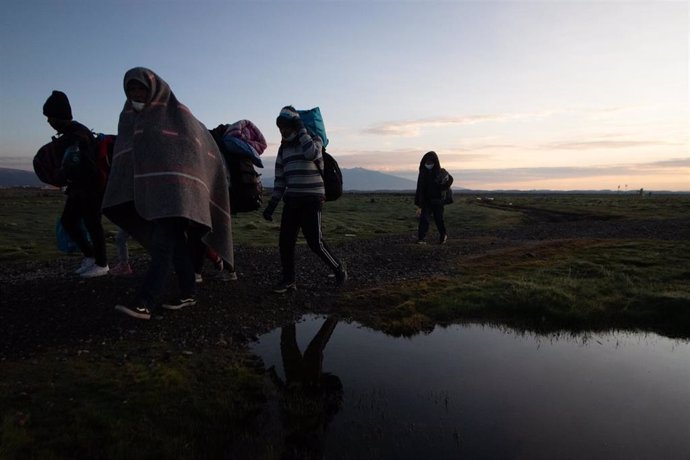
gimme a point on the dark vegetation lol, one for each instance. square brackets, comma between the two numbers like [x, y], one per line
[80, 381]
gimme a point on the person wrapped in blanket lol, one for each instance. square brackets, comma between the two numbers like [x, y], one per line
[299, 183]
[167, 188]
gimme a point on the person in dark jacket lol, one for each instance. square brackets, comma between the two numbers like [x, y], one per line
[299, 183]
[433, 185]
[84, 191]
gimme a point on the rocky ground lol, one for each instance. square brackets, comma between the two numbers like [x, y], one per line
[44, 306]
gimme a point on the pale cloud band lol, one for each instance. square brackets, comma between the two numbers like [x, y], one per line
[409, 128]
[671, 174]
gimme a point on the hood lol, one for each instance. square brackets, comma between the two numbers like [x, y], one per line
[431, 155]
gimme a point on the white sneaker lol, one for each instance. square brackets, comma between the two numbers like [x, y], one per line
[198, 278]
[87, 263]
[94, 271]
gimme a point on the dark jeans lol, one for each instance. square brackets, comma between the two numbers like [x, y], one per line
[199, 250]
[86, 205]
[435, 208]
[168, 247]
[305, 214]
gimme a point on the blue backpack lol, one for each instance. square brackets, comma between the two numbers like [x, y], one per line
[313, 121]
[332, 176]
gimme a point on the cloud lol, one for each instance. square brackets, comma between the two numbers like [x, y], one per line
[602, 144]
[672, 163]
[400, 159]
[671, 174]
[674, 171]
[411, 128]
[602, 113]
[17, 162]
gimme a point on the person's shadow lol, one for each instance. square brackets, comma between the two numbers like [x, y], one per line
[309, 397]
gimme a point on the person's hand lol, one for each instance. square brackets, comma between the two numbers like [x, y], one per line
[297, 124]
[268, 212]
[418, 211]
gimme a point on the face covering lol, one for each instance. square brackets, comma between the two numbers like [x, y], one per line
[429, 166]
[290, 136]
[138, 106]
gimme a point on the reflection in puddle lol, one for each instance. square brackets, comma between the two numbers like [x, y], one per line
[309, 397]
[477, 391]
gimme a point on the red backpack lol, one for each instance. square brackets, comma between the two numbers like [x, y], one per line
[104, 156]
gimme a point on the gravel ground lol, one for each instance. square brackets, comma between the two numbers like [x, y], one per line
[44, 306]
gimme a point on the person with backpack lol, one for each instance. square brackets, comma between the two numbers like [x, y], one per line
[84, 191]
[433, 189]
[298, 182]
[167, 189]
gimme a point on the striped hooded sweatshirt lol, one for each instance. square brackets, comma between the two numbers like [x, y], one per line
[296, 170]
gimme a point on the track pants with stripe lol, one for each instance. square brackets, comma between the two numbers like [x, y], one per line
[303, 213]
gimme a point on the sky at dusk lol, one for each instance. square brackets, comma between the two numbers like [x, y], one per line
[510, 94]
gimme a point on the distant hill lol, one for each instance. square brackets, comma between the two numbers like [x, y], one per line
[355, 179]
[18, 178]
[360, 179]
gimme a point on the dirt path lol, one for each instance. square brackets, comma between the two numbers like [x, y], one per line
[44, 306]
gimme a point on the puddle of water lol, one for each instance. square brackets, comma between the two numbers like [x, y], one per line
[481, 392]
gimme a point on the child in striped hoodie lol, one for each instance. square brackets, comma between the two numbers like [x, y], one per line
[299, 183]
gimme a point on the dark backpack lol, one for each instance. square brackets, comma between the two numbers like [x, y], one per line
[447, 191]
[332, 177]
[61, 163]
[67, 159]
[48, 163]
[88, 161]
[246, 191]
[448, 198]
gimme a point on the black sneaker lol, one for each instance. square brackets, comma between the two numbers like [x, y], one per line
[284, 286]
[180, 303]
[341, 274]
[139, 312]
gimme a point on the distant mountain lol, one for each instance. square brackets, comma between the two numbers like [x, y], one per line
[355, 179]
[360, 179]
[18, 178]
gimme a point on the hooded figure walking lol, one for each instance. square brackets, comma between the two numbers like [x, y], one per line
[167, 188]
[433, 191]
[84, 192]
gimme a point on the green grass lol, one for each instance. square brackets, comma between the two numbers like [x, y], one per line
[28, 218]
[581, 284]
[625, 205]
[134, 401]
[569, 284]
[27, 225]
[113, 403]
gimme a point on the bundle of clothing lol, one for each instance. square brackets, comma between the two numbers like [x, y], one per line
[243, 138]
